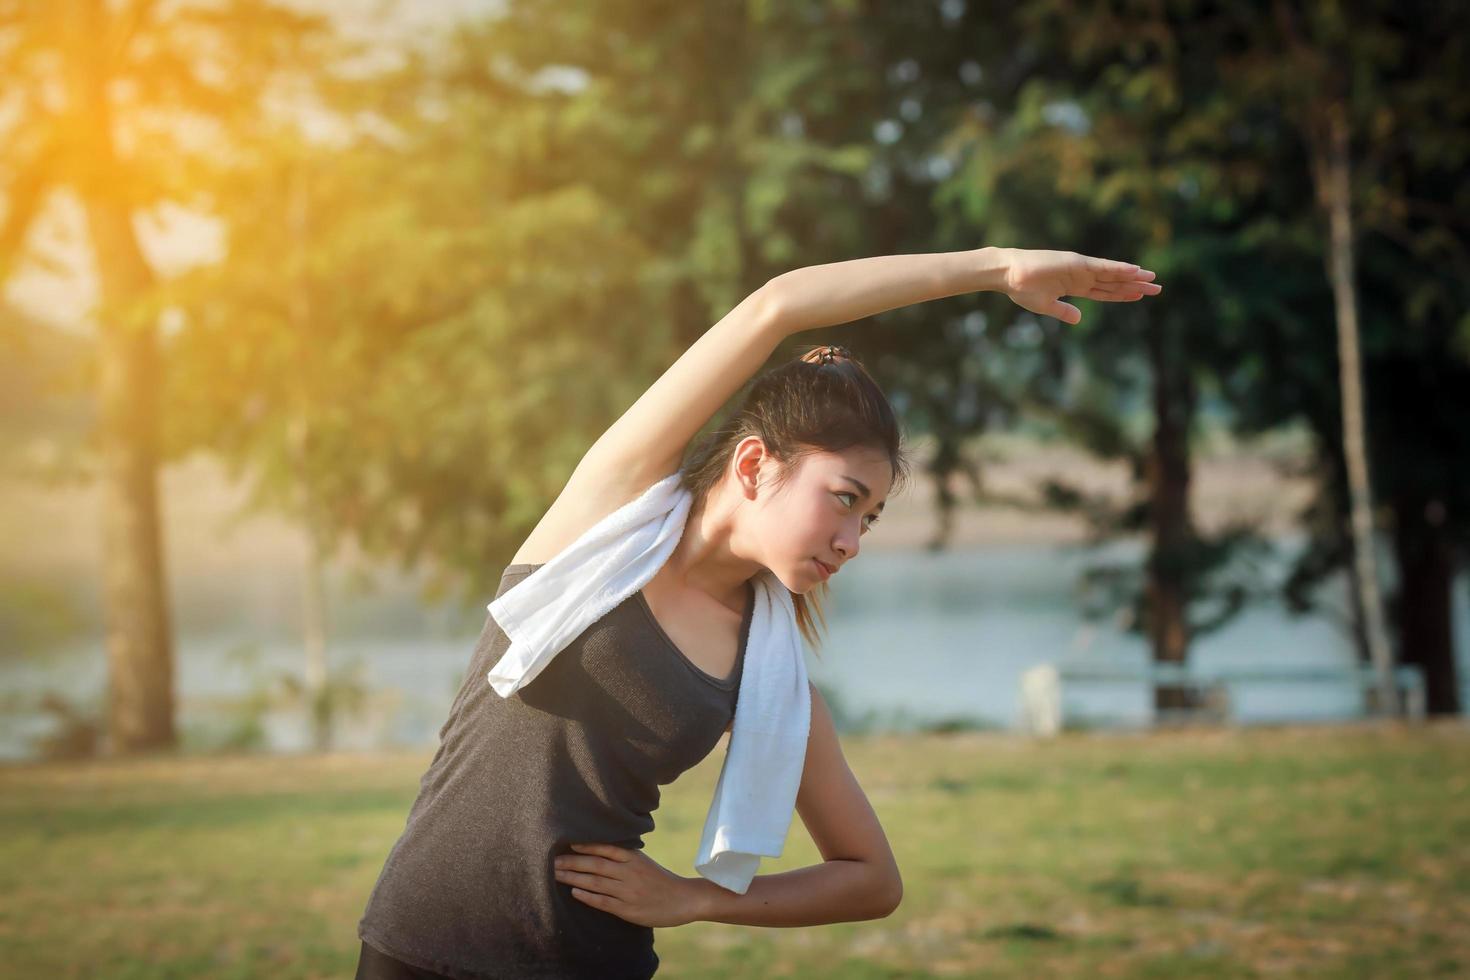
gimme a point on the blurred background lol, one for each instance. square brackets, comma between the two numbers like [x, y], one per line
[310, 308]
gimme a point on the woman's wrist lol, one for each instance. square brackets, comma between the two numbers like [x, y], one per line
[703, 894]
[992, 262]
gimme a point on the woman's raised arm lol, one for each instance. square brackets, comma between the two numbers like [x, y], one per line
[840, 292]
[648, 440]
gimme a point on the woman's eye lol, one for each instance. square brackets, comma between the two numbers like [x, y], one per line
[868, 522]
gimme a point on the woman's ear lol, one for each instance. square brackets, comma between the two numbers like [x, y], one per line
[754, 467]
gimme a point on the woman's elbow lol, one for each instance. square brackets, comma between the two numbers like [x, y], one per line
[896, 895]
[888, 895]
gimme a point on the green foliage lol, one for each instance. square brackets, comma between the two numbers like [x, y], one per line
[1183, 137]
[445, 272]
[418, 329]
[1120, 144]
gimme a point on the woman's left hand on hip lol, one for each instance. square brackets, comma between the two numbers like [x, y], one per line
[627, 883]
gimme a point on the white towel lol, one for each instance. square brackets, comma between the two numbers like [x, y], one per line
[756, 792]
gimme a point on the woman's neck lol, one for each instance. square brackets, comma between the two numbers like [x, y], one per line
[708, 556]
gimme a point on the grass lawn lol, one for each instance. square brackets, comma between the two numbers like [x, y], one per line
[1312, 852]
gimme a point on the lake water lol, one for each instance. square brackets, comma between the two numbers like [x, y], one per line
[914, 638]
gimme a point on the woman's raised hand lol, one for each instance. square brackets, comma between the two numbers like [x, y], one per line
[1036, 279]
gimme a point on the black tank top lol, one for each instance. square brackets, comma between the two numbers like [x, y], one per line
[577, 755]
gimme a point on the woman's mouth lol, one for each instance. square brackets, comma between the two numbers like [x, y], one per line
[822, 570]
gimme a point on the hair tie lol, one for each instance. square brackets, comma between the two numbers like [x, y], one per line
[828, 354]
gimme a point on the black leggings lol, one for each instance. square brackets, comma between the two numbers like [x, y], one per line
[375, 965]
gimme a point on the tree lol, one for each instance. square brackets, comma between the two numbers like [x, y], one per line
[1375, 99]
[1108, 138]
[108, 102]
[1225, 108]
[523, 229]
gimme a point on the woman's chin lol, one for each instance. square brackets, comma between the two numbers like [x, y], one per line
[802, 583]
[793, 583]
[800, 580]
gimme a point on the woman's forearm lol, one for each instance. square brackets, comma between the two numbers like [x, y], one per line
[833, 891]
[840, 292]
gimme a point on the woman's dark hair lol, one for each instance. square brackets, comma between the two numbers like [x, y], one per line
[822, 400]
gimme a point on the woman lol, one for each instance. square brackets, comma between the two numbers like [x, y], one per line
[522, 855]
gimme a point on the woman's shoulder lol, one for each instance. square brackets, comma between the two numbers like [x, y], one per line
[514, 574]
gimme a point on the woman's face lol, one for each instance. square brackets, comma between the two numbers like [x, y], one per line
[819, 514]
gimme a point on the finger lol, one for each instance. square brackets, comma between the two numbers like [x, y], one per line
[591, 882]
[1105, 265]
[597, 900]
[1106, 291]
[1109, 269]
[606, 850]
[1065, 312]
[587, 863]
[1118, 296]
[1127, 288]
[1116, 272]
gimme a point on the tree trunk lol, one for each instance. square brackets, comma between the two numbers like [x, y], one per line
[1166, 593]
[300, 431]
[140, 698]
[314, 616]
[1356, 617]
[1331, 172]
[1426, 564]
[140, 702]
